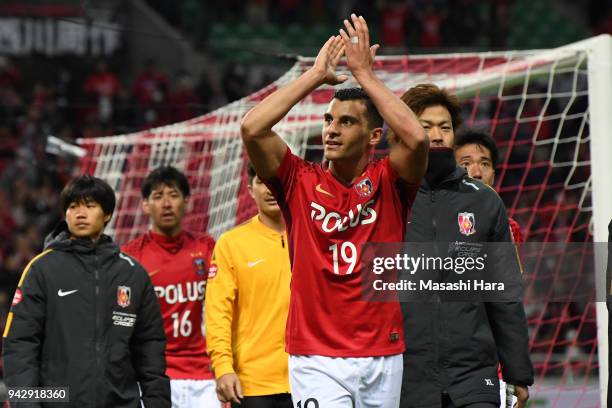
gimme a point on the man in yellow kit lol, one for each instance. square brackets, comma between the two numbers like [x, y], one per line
[247, 301]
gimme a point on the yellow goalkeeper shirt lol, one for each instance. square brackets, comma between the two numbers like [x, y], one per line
[247, 301]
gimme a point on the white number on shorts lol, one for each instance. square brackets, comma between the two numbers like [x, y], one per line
[348, 252]
[182, 325]
[315, 403]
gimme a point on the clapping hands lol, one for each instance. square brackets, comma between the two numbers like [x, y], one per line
[354, 42]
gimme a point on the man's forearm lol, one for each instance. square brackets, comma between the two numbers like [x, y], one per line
[397, 115]
[273, 108]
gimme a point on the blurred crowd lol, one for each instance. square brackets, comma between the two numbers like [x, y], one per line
[420, 23]
[600, 16]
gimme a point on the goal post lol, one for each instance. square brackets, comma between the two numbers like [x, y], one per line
[600, 106]
[550, 113]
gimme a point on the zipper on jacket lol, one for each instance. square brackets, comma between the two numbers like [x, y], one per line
[283, 241]
[434, 223]
[97, 319]
[442, 346]
[436, 335]
[437, 306]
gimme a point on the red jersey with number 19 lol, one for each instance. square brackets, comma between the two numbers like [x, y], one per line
[328, 222]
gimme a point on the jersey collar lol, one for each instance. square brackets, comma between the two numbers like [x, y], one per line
[170, 244]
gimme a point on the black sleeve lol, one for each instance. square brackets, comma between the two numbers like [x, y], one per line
[23, 334]
[148, 347]
[509, 326]
[507, 319]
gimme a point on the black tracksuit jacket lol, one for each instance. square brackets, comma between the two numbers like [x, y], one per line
[454, 347]
[89, 320]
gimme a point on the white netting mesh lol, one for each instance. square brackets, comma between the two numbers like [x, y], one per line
[534, 103]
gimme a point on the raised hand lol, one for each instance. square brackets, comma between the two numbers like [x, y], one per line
[327, 60]
[359, 55]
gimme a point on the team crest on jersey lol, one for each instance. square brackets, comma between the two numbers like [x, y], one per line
[467, 223]
[200, 266]
[364, 187]
[212, 271]
[124, 295]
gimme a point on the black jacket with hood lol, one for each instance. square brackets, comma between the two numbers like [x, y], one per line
[85, 316]
[455, 347]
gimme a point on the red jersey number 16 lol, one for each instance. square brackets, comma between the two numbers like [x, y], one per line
[181, 324]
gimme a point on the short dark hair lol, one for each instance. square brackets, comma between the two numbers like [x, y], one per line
[168, 176]
[478, 137]
[251, 172]
[423, 96]
[357, 94]
[85, 188]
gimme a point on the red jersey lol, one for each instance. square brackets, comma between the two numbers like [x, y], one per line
[327, 223]
[178, 268]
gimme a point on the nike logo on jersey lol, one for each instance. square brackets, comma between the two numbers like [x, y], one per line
[61, 293]
[320, 190]
[252, 264]
[154, 272]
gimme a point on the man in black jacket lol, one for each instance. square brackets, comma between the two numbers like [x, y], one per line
[453, 349]
[85, 316]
